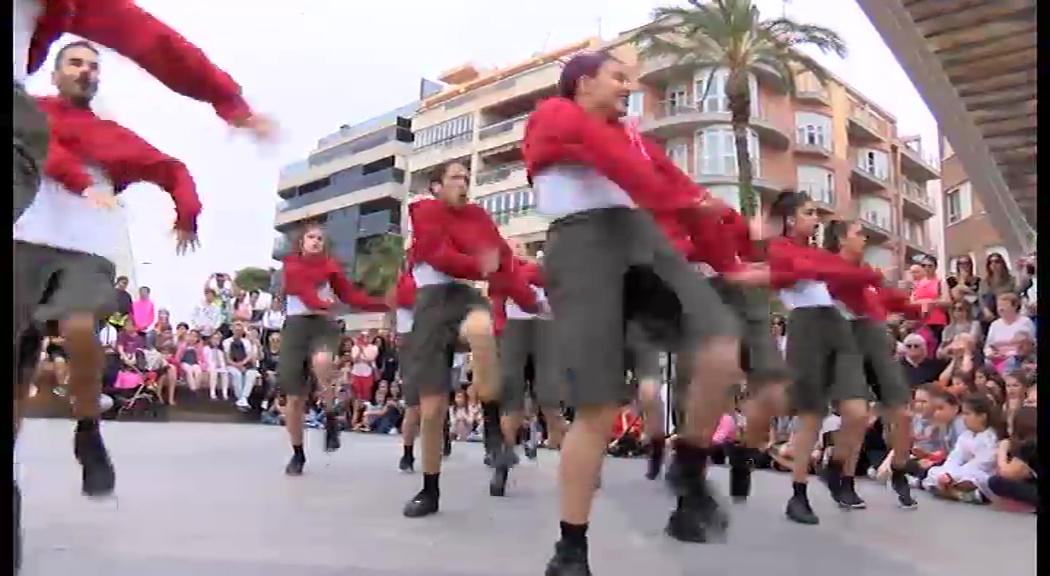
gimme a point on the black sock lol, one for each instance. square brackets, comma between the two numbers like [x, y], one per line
[297, 452]
[799, 489]
[574, 534]
[430, 484]
[85, 425]
[657, 446]
[407, 448]
[691, 459]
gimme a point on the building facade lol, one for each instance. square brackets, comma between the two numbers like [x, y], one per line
[829, 141]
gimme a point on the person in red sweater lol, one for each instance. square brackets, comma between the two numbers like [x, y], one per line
[821, 348]
[601, 185]
[870, 306]
[313, 282]
[453, 242]
[523, 336]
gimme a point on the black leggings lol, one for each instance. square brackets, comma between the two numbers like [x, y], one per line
[1022, 491]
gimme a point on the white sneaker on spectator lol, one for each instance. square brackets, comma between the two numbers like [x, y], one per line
[242, 402]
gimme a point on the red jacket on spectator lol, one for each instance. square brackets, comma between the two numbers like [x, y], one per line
[79, 137]
[153, 45]
[450, 239]
[531, 273]
[304, 275]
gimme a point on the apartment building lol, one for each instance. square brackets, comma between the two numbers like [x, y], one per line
[968, 228]
[828, 140]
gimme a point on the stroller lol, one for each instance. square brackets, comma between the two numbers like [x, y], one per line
[134, 390]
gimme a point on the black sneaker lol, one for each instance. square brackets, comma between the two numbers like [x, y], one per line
[498, 483]
[531, 452]
[16, 527]
[698, 517]
[568, 561]
[332, 440]
[899, 483]
[848, 497]
[422, 504]
[741, 462]
[799, 511]
[98, 478]
[407, 463]
[831, 476]
[295, 465]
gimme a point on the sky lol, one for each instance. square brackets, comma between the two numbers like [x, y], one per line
[313, 65]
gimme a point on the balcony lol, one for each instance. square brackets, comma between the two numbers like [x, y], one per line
[502, 177]
[454, 148]
[877, 224]
[869, 177]
[864, 125]
[674, 120]
[916, 244]
[388, 183]
[813, 95]
[916, 201]
[496, 134]
[916, 163]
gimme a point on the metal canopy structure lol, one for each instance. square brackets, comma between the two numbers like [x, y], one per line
[974, 62]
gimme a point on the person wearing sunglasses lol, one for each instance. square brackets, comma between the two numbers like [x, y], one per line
[997, 280]
[931, 293]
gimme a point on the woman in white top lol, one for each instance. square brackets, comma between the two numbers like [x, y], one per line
[273, 318]
[1005, 333]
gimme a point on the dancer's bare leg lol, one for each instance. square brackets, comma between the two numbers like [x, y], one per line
[86, 360]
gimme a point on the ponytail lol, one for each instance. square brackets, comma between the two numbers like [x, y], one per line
[784, 207]
[834, 232]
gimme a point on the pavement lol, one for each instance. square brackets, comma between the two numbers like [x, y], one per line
[212, 500]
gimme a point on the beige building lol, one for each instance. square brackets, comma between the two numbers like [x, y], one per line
[830, 141]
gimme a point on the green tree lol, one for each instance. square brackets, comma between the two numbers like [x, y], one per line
[378, 263]
[731, 35]
[253, 278]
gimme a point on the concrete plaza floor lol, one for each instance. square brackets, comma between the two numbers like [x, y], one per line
[212, 500]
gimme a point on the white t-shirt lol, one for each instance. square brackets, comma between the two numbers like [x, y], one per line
[1002, 334]
[364, 359]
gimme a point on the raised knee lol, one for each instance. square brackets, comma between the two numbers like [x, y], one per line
[477, 325]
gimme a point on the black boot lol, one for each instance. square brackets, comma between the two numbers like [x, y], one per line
[296, 463]
[798, 508]
[568, 560]
[848, 497]
[698, 516]
[503, 459]
[16, 507]
[332, 440]
[98, 477]
[899, 482]
[425, 502]
[831, 475]
[408, 460]
[656, 459]
[741, 462]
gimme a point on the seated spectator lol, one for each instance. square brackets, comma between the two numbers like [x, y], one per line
[208, 316]
[464, 419]
[1016, 386]
[627, 433]
[997, 281]
[162, 332]
[130, 342]
[273, 318]
[919, 368]
[935, 427]
[274, 412]
[363, 355]
[190, 359]
[160, 367]
[240, 306]
[972, 460]
[984, 378]
[143, 312]
[961, 323]
[1007, 333]
[383, 412]
[1024, 359]
[961, 361]
[271, 355]
[240, 366]
[1015, 484]
[215, 367]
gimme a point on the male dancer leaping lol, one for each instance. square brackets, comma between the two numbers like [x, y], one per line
[453, 241]
[312, 281]
[591, 177]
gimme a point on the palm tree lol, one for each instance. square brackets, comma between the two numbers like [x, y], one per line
[379, 262]
[731, 35]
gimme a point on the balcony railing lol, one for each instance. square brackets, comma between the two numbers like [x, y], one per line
[865, 116]
[499, 173]
[872, 169]
[877, 218]
[669, 108]
[336, 189]
[501, 127]
[916, 192]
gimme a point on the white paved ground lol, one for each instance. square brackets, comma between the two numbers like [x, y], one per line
[211, 500]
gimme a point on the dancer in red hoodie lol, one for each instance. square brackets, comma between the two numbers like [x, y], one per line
[312, 282]
[453, 241]
[604, 259]
[869, 307]
[523, 336]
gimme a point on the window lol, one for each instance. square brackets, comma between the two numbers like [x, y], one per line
[957, 203]
[879, 257]
[876, 211]
[711, 97]
[818, 182]
[678, 152]
[874, 162]
[503, 206]
[915, 232]
[813, 129]
[676, 99]
[636, 103]
[730, 194]
[716, 152]
[452, 131]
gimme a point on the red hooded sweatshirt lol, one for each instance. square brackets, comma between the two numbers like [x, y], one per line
[306, 275]
[450, 238]
[528, 272]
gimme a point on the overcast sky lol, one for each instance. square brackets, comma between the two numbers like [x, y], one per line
[316, 64]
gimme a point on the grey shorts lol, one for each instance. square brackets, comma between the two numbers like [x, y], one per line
[759, 357]
[883, 372]
[438, 313]
[520, 340]
[610, 266]
[644, 355]
[29, 132]
[302, 336]
[824, 356]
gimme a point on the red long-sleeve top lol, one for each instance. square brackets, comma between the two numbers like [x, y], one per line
[450, 239]
[153, 45]
[405, 291]
[304, 275]
[528, 272]
[791, 262]
[78, 137]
